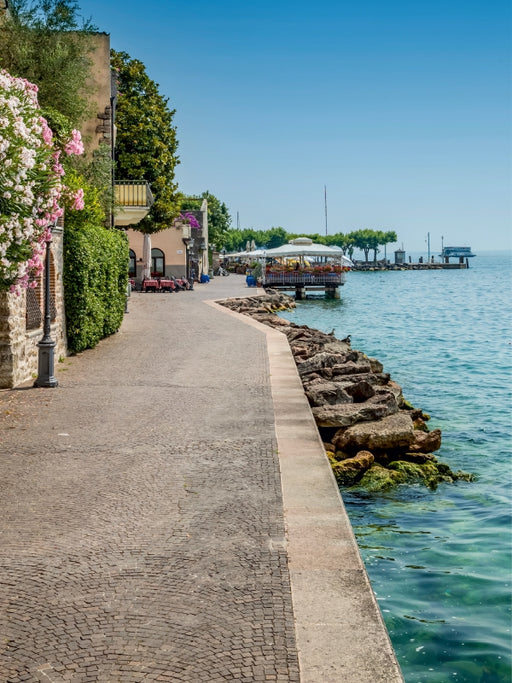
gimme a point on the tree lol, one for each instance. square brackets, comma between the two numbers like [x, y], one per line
[388, 237]
[337, 240]
[369, 240]
[47, 43]
[146, 144]
[275, 237]
[362, 241]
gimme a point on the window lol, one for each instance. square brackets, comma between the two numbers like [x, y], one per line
[157, 262]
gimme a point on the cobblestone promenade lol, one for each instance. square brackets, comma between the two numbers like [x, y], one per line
[141, 524]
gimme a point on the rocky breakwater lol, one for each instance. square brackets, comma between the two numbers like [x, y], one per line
[373, 437]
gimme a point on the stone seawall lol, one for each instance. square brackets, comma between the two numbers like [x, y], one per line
[373, 437]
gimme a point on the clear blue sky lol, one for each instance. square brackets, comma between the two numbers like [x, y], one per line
[401, 108]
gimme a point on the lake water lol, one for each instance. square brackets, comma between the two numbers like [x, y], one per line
[440, 562]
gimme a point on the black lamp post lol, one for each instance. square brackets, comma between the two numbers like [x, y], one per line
[45, 366]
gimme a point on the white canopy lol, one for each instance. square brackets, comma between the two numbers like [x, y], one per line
[310, 249]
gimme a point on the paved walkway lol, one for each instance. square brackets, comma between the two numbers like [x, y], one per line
[142, 534]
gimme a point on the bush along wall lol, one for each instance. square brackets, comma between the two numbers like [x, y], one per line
[95, 274]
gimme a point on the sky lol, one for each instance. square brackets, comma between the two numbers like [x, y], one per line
[398, 111]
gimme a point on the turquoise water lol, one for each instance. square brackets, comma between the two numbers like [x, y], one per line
[440, 561]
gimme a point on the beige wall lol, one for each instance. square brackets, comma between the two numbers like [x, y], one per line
[96, 129]
[170, 242]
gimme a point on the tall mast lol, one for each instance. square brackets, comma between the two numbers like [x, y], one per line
[325, 203]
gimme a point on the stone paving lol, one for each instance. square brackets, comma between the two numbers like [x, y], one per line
[141, 522]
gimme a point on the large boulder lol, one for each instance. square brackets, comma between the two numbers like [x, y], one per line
[348, 471]
[376, 365]
[360, 391]
[347, 414]
[336, 346]
[320, 361]
[350, 367]
[426, 442]
[390, 433]
[392, 387]
[322, 392]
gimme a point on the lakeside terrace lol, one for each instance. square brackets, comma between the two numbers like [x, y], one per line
[299, 265]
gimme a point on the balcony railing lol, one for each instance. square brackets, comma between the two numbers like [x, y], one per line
[133, 199]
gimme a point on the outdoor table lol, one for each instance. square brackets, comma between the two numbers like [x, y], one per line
[168, 285]
[150, 285]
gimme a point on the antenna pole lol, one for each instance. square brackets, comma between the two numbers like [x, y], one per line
[325, 203]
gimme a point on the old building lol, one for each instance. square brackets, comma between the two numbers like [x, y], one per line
[180, 251]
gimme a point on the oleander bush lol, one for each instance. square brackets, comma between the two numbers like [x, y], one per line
[95, 272]
[31, 187]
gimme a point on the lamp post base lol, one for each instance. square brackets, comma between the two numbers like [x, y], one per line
[46, 377]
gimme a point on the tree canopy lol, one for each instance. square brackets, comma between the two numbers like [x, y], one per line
[47, 42]
[366, 240]
[146, 144]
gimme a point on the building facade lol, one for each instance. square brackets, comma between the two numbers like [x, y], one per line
[179, 251]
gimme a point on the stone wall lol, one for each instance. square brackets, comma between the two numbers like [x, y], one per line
[18, 346]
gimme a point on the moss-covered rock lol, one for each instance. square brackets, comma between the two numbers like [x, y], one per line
[379, 478]
[348, 471]
[425, 473]
[431, 473]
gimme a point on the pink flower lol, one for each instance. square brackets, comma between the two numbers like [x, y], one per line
[46, 132]
[78, 200]
[75, 145]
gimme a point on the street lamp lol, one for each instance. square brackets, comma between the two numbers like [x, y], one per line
[45, 365]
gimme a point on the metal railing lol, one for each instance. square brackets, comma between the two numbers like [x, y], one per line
[305, 279]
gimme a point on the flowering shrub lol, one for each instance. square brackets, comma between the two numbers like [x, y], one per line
[31, 186]
[191, 219]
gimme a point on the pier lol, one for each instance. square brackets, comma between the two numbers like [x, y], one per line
[301, 282]
[461, 254]
[419, 265]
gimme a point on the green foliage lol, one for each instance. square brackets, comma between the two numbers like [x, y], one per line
[97, 172]
[146, 143]
[45, 42]
[366, 240]
[95, 271]
[219, 218]
[370, 240]
[236, 240]
[275, 237]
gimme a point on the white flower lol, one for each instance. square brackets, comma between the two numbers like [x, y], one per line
[27, 177]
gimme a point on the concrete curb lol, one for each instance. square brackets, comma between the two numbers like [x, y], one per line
[340, 633]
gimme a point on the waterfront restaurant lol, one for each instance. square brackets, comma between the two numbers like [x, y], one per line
[302, 266]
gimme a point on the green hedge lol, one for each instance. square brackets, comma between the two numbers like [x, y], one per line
[95, 275]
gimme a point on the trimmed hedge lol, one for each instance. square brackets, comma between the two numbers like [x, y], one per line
[95, 275]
